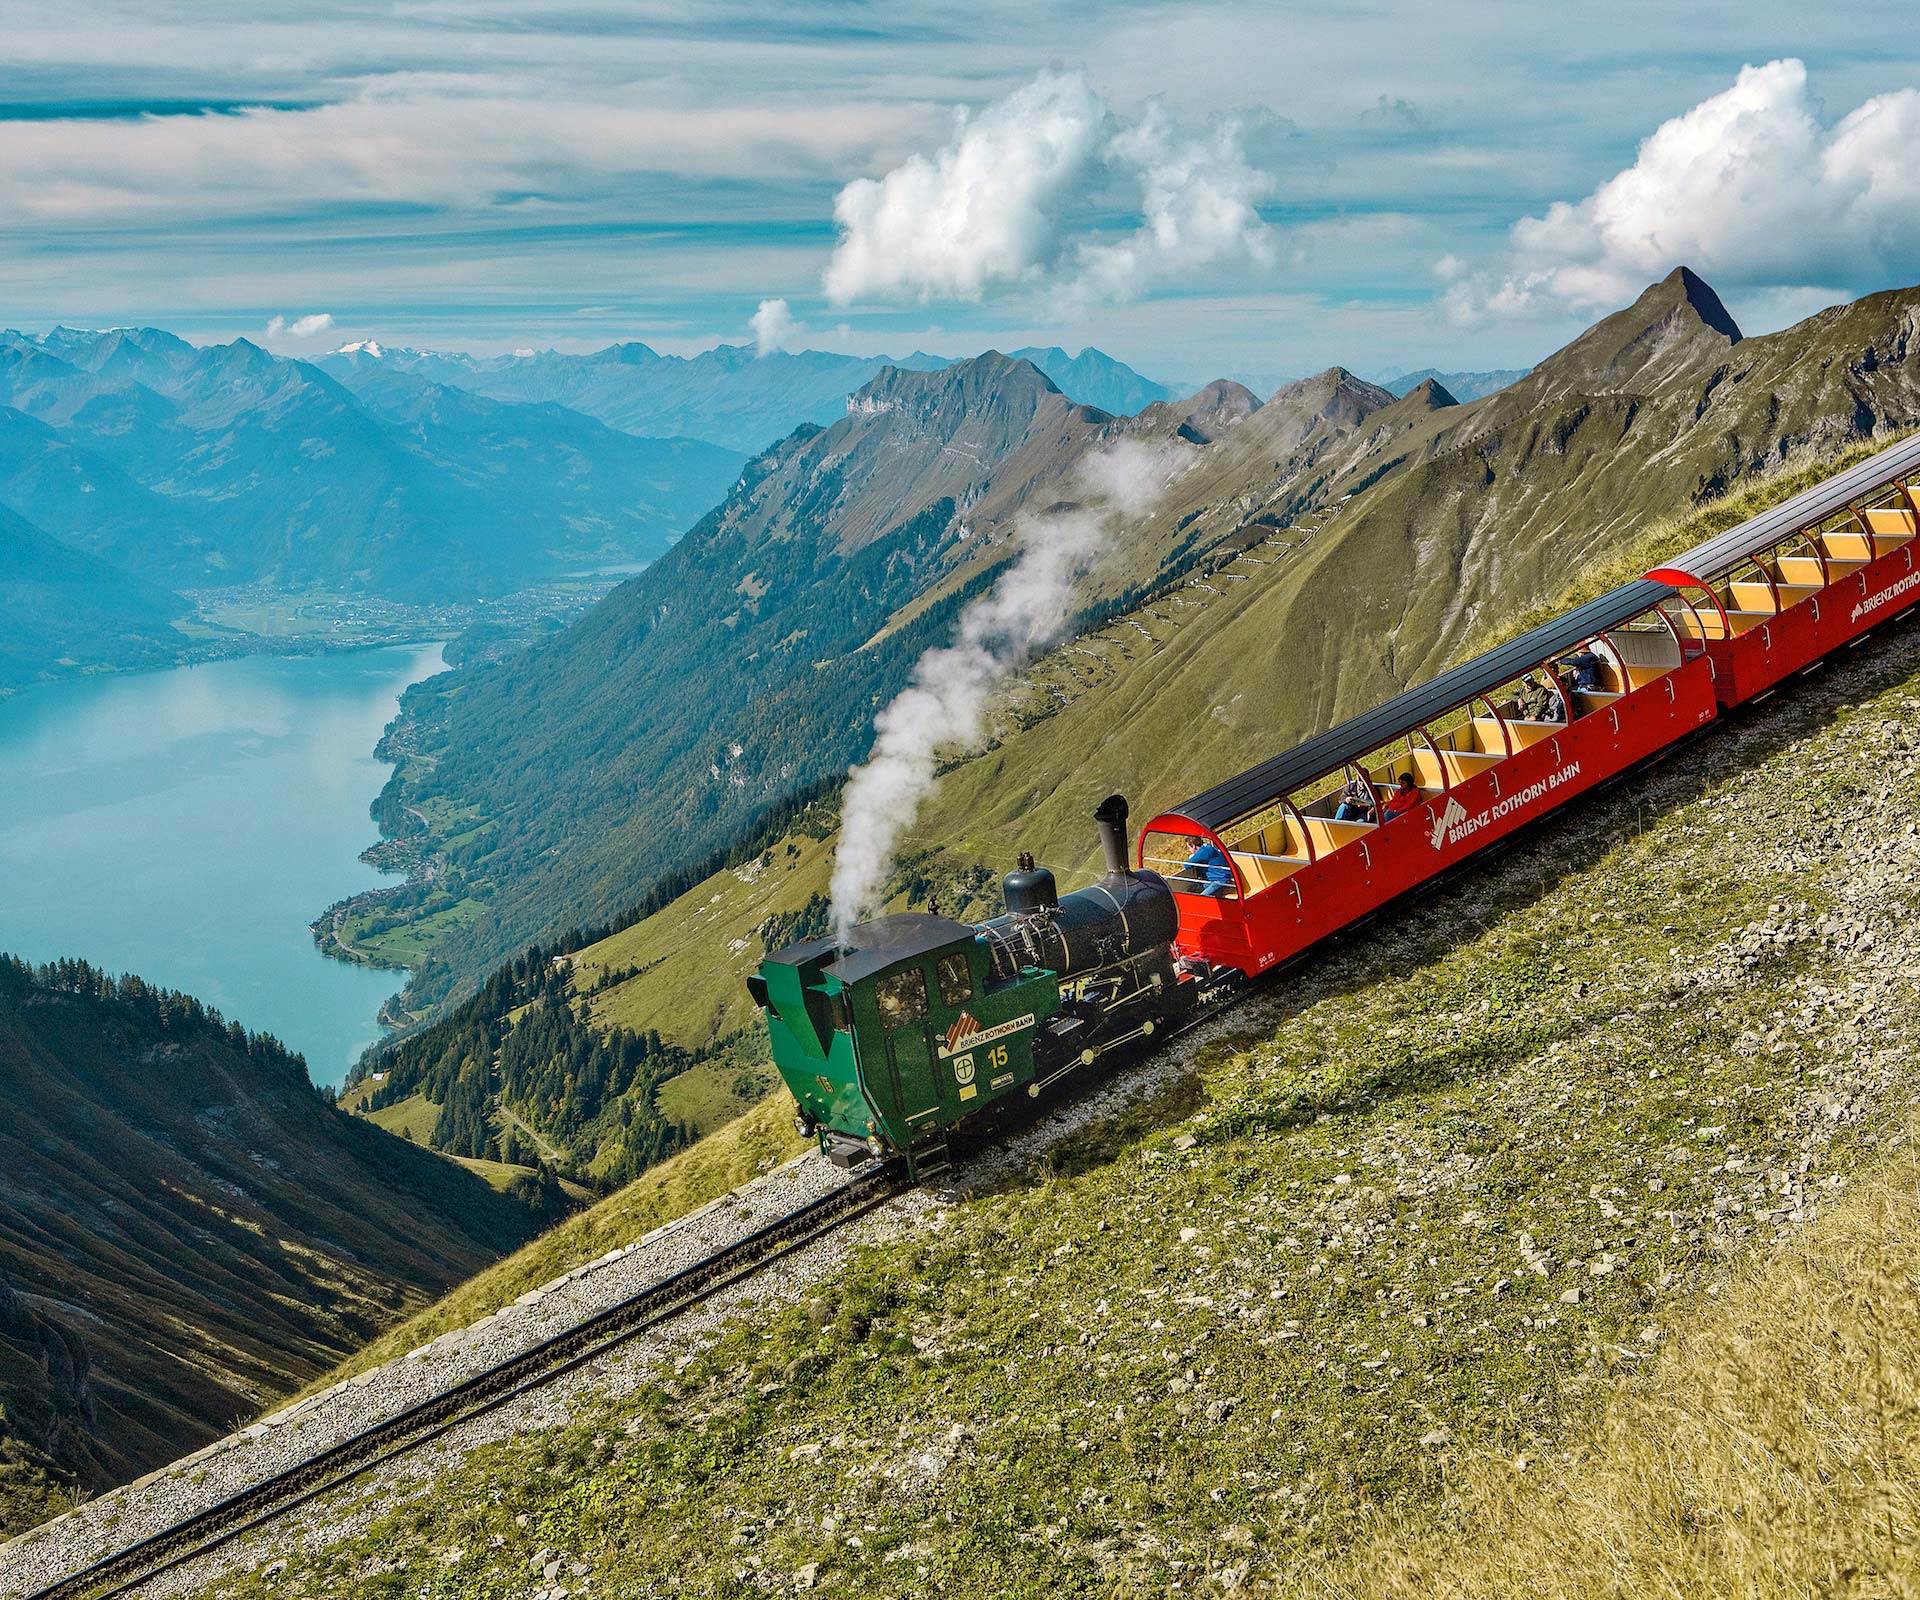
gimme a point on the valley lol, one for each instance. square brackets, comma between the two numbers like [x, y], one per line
[188, 1230]
[1455, 1191]
[838, 801]
[1304, 555]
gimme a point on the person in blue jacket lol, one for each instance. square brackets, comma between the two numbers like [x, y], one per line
[1206, 871]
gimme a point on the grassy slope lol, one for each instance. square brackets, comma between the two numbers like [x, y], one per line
[1419, 1207]
[1773, 1449]
[1164, 719]
[187, 1232]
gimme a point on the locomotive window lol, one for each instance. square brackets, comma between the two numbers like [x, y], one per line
[956, 982]
[902, 998]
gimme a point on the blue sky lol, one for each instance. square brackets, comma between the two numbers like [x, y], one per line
[1199, 189]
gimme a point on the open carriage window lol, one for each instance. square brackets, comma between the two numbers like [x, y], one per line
[902, 998]
[1532, 707]
[1644, 651]
[1189, 864]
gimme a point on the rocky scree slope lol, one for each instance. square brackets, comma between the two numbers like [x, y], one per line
[1419, 1202]
[187, 1230]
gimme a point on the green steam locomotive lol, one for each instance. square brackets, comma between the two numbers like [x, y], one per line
[917, 1023]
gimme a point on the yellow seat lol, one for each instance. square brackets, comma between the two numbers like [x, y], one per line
[1891, 527]
[1843, 546]
[1649, 653]
[1801, 570]
[1464, 764]
[1329, 836]
[1263, 872]
[1531, 733]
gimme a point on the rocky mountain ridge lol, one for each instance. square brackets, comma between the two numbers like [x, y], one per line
[1390, 529]
[731, 395]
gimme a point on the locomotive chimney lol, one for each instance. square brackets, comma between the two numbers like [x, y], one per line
[1111, 815]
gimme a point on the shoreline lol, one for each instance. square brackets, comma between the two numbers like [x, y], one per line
[242, 648]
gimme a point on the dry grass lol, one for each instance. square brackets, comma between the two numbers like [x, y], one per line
[1773, 1449]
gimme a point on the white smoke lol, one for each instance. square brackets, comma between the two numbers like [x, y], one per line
[945, 702]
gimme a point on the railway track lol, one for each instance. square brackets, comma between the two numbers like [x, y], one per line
[221, 1524]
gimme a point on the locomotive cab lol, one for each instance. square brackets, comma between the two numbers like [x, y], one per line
[887, 1042]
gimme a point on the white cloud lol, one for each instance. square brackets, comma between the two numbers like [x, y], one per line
[980, 210]
[307, 327]
[412, 139]
[1198, 197]
[986, 208]
[1748, 188]
[774, 327]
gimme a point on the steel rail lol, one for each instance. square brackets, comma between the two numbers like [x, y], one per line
[426, 1420]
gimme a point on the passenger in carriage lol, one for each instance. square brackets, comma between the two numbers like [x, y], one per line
[1586, 669]
[1541, 702]
[1405, 796]
[1356, 802]
[1206, 872]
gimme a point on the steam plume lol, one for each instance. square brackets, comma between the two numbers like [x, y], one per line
[945, 701]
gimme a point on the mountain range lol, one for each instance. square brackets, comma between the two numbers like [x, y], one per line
[197, 466]
[1379, 534]
[729, 395]
[187, 1230]
[1461, 385]
[429, 478]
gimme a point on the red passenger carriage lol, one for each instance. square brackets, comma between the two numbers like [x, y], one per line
[1797, 582]
[1269, 862]
[1490, 746]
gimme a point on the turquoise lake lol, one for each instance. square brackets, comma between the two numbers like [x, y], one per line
[187, 825]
